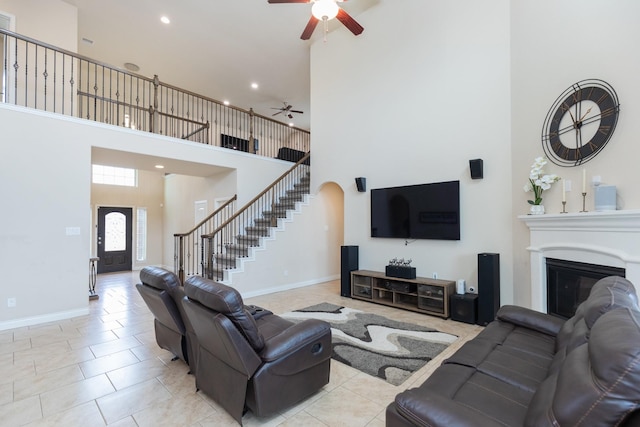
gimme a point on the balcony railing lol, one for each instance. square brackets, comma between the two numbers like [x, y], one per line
[37, 75]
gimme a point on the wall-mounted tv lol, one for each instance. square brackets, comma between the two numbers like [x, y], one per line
[424, 211]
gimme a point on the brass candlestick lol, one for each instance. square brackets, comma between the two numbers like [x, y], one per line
[584, 197]
[564, 205]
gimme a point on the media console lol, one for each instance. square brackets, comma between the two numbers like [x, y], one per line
[430, 296]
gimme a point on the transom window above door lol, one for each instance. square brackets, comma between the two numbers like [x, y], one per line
[114, 175]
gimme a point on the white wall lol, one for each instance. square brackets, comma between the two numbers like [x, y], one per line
[553, 45]
[424, 89]
[45, 175]
[44, 269]
[52, 21]
[45, 165]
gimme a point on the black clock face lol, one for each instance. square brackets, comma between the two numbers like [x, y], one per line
[580, 122]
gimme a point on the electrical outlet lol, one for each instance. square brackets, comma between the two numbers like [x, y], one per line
[11, 302]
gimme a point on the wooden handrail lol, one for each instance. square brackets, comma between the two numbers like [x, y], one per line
[256, 198]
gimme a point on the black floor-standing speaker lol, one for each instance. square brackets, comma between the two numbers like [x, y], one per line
[488, 287]
[348, 263]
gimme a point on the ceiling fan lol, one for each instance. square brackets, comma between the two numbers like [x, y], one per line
[325, 10]
[287, 110]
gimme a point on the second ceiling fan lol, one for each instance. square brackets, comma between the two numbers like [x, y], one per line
[287, 110]
[325, 10]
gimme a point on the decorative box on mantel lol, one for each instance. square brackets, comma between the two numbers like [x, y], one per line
[607, 238]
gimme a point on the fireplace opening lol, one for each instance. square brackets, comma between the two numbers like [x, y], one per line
[569, 284]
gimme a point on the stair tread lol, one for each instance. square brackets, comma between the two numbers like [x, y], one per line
[237, 246]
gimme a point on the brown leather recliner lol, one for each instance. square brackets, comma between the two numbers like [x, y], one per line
[253, 359]
[162, 292]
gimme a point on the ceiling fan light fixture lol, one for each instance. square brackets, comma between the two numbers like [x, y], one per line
[324, 9]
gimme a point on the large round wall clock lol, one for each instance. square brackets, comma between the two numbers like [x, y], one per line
[580, 122]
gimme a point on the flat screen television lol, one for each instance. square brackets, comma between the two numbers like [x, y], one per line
[423, 211]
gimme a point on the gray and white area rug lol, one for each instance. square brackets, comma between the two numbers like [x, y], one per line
[381, 347]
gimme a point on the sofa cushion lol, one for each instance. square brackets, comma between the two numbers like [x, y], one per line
[226, 300]
[471, 398]
[522, 369]
[523, 339]
[597, 383]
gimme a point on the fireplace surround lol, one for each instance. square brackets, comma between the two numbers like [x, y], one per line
[599, 238]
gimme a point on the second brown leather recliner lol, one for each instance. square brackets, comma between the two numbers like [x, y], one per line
[162, 292]
[248, 359]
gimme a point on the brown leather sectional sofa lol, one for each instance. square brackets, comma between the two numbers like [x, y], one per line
[532, 369]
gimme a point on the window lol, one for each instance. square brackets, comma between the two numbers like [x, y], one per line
[114, 176]
[141, 234]
[115, 232]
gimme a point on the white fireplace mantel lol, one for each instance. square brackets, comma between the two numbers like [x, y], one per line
[609, 238]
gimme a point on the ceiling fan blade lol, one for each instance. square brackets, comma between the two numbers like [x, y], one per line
[275, 114]
[308, 30]
[289, 1]
[297, 111]
[349, 22]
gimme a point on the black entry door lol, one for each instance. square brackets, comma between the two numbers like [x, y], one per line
[114, 239]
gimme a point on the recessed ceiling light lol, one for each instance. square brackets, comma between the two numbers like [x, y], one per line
[225, 102]
[254, 85]
[159, 166]
[165, 20]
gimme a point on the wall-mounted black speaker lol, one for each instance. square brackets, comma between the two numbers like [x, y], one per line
[348, 263]
[475, 166]
[488, 287]
[464, 308]
[361, 184]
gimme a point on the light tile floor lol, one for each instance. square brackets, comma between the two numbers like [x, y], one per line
[106, 369]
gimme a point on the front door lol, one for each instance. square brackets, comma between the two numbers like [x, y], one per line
[114, 239]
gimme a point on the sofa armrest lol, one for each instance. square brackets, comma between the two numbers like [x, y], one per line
[525, 317]
[429, 408]
[311, 333]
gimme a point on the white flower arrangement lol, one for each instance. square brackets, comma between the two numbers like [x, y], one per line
[538, 181]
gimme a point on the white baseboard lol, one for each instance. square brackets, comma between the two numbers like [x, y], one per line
[288, 287]
[45, 318]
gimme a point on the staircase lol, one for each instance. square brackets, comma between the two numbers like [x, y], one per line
[234, 241]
